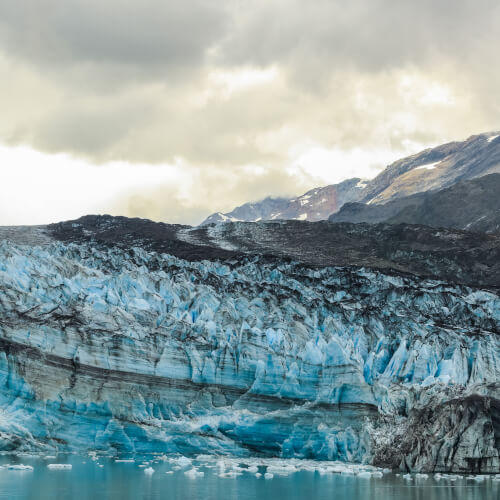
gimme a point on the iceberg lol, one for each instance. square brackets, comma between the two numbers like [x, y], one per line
[18, 467]
[60, 466]
[194, 473]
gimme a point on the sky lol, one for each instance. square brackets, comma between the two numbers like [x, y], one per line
[172, 110]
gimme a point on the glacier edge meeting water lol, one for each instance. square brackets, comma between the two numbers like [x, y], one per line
[131, 351]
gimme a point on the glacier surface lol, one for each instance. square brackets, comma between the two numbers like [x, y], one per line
[131, 351]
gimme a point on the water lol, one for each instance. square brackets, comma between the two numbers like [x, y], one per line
[124, 481]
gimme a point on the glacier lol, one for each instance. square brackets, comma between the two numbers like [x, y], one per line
[135, 351]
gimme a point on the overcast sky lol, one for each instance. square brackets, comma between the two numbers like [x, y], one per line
[174, 109]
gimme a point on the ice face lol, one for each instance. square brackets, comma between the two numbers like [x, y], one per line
[138, 352]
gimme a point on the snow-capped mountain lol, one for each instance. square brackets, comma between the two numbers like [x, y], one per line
[316, 204]
[373, 344]
[436, 168]
[432, 169]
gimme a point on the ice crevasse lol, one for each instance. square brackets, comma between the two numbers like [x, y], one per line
[135, 351]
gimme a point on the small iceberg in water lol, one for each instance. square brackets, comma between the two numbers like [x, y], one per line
[60, 466]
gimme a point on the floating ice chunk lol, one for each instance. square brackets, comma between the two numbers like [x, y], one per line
[407, 477]
[253, 469]
[365, 474]
[230, 474]
[420, 475]
[60, 466]
[377, 473]
[18, 467]
[184, 461]
[281, 469]
[49, 457]
[125, 461]
[169, 472]
[149, 471]
[268, 475]
[258, 475]
[347, 472]
[194, 473]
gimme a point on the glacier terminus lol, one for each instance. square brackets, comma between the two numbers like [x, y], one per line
[120, 348]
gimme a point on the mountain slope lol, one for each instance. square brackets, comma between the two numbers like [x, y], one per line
[432, 169]
[262, 210]
[436, 168]
[314, 205]
[473, 205]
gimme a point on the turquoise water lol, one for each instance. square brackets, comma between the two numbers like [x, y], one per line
[124, 481]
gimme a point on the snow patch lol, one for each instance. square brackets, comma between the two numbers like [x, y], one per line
[428, 166]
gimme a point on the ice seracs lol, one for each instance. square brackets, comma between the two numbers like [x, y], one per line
[130, 351]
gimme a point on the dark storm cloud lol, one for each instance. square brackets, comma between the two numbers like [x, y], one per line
[369, 35]
[129, 32]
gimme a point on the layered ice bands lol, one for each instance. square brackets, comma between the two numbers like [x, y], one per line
[135, 351]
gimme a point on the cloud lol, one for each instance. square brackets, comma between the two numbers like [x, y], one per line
[195, 196]
[124, 32]
[226, 86]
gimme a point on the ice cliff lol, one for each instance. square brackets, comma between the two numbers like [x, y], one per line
[132, 350]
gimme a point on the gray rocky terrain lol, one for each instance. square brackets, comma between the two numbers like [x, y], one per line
[473, 205]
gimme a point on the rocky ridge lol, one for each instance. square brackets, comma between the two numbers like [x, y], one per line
[472, 205]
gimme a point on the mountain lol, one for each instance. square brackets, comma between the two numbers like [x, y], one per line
[363, 343]
[253, 212]
[316, 204]
[473, 205]
[436, 168]
[432, 169]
